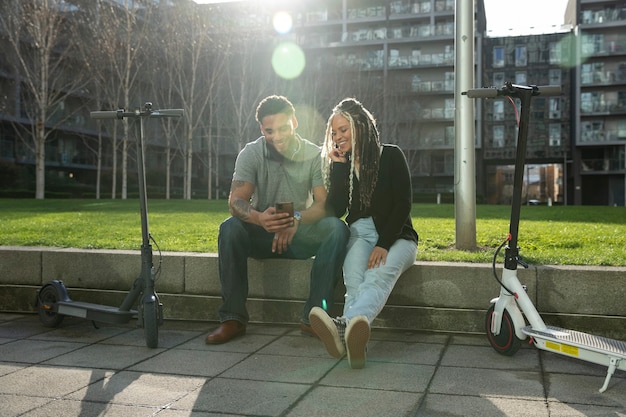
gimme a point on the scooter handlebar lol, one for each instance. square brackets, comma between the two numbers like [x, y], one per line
[512, 90]
[120, 114]
[167, 113]
[104, 114]
[547, 90]
[487, 92]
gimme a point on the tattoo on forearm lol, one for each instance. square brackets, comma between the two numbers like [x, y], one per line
[241, 209]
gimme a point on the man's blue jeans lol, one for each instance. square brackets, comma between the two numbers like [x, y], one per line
[237, 241]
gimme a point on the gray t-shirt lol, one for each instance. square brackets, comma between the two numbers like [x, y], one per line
[278, 178]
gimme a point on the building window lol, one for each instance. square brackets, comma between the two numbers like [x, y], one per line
[439, 164]
[621, 129]
[449, 161]
[423, 163]
[498, 79]
[555, 108]
[621, 101]
[555, 53]
[443, 163]
[23, 153]
[498, 110]
[498, 57]
[554, 77]
[592, 131]
[521, 56]
[6, 148]
[450, 139]
[498, 136]
[520, 78]
[555, 134]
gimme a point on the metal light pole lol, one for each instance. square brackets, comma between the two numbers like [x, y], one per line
[464, 150]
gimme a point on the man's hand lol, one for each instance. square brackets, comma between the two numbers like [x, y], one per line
[275, 222]
[282, 225]
[283, 239]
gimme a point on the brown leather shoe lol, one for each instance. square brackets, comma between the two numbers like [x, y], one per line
[228, 330]
[307, 330]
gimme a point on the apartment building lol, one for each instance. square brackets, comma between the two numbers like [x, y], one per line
[600, 108]
[577, 144]
[528, 60]
[397, 57]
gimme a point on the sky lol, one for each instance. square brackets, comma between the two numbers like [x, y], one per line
[511, 17]
[514, 17]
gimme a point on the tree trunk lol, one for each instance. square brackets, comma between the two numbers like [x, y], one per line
[99, 164]
[114, 165]
[40, 162]
[168, 168]
[189, 165]
[125, 160]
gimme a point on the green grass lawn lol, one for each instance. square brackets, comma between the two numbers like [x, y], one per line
[572, 235]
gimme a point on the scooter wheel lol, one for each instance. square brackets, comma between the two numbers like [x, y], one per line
[506, 342]
[46, 298]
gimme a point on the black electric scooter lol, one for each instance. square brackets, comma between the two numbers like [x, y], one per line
[53, 302]
[505, 322]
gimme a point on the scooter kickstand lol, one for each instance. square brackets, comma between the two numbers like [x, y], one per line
[609, 373]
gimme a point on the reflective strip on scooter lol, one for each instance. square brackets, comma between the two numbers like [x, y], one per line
[567, 349]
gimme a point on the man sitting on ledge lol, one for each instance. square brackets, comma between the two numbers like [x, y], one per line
[279, 166]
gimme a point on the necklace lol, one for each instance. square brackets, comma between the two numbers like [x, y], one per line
[297, 149]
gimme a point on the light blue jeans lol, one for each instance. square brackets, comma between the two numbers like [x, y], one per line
[367, 290]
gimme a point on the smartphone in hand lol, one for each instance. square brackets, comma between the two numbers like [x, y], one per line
[285, 207]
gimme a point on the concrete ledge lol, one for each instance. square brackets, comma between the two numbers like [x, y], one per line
[432, 296]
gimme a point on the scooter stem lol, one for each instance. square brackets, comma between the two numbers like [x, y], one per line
[511, 255]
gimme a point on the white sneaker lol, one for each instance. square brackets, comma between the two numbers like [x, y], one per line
[328, 330]
[357, 336]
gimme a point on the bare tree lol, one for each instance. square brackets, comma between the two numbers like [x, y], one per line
[241, 63]
[96, 39]
[173, 145]
[245, 85]
[121, 33]
[216, 67]
[163, 90]
[219, 49]
[195, 74]
[41, 38]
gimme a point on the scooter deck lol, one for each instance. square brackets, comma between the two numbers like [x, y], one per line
[95, 312]
[591, 348]
[579, 339]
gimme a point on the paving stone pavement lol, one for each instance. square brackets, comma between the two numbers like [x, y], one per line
[78, 369]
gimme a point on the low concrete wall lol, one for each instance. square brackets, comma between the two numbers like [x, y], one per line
[431, 296]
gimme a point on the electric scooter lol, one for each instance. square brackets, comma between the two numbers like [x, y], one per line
[53, 302]
[506, 318]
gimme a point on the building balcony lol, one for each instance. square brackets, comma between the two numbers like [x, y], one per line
[603, 165]
[590, 137]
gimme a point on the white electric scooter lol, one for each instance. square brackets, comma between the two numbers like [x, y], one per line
[506, 318]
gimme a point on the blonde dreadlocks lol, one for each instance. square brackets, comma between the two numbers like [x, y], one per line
[366, 148]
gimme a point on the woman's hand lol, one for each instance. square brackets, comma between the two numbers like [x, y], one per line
[337, 156]
[377, 258]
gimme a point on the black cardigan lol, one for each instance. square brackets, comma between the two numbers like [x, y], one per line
[391, 201]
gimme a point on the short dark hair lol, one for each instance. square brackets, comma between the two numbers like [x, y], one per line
[274, 105]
